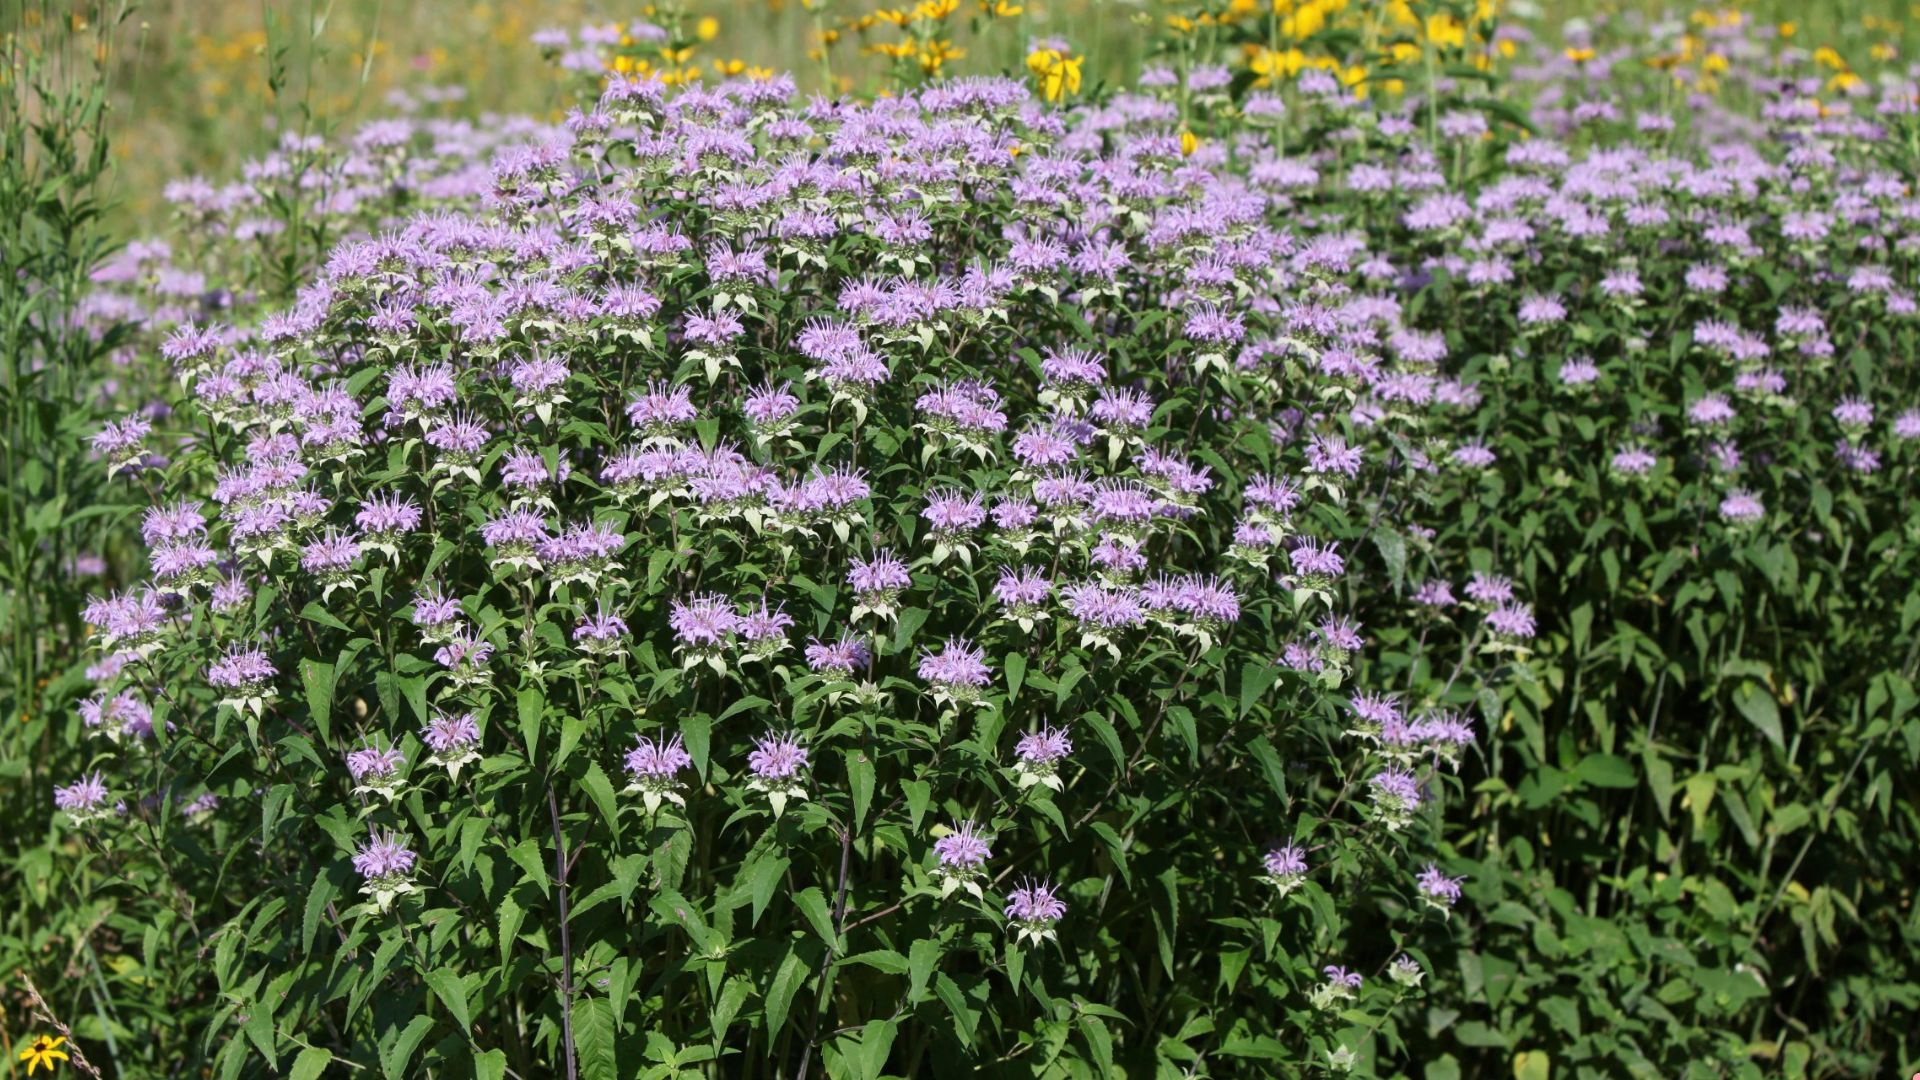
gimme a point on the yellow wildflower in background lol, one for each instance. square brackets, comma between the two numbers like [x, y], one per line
[707, 28]
[935, 10]
[1001, 9]
[936, 54]
[1189, 142]
[1446, 31]
[44, 1050]
[1578, 56]
[1058, 75]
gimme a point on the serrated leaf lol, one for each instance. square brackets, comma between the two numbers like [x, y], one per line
[780, 991]
[813, 904]
[446, 985]
[593, 1038]
[311, 1064]
[860, 780]
[531, 705]
[317, 680]
[923, 958]
[600, 790]
[396, 1055]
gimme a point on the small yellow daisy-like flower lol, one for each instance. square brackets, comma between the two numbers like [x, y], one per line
[1883, 52]
[935, 10]
[1578, 56]
[707, 28]
[1787, 30]
[1845, 80]
[892, 15]
[1189, 142]
[44, 1051]
[938, 53]
[1001, 9]
[1714, 64]
[1058, 75]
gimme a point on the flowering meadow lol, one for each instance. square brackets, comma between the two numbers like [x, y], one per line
[1383, 543]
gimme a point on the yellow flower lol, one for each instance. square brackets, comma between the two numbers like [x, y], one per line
[1827, 57]
[44, 1050]
[676, 56]
[1446, 31]
[730, 68]
[1714, 64]
[1883, 52]
[707, 28]
[1578, 56]
[1787, 30]
[937, 53]
[935, 10]
[1845, 80]
[1180, 23]
[1001, 9]
[1058, 75]
[1189, 142]
[892, 15]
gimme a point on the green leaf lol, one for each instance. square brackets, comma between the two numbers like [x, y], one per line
[491, 1065]
[1109, 738]
[860, 780]
[813, 905]
[324, 890]
[1016, 666]
[1758, 706]
[313, 612]
[446, 985]
[600, 790]
[1099, 1042]
[1256, 678]
[527, 856]
[532, 705]
[965, 1020]
[1606, 770]
[317, 680]
[395, 1056]
[763, 876]
[593, 1038]
[923, 958]
[311, 1064]
[696, 734]
[919, 796]
[511, 916]
[786, 981]
[881, 960]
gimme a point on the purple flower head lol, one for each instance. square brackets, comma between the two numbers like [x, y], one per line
[963, 849]
[449, 733]
[385, 855]
[958, 672]
[1034, 907]
[777, 757]
[842, 657]
[1512, 621]
[1286, 864]
[1741, 507]
[83, 799]
[1437, 888]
